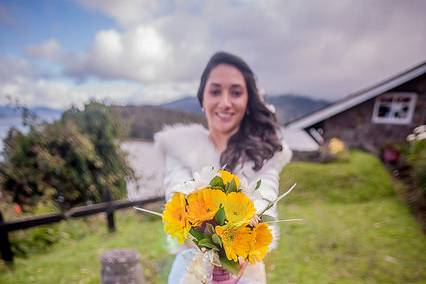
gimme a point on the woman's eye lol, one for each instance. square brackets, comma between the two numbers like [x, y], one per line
[215, 92]
[236, 93]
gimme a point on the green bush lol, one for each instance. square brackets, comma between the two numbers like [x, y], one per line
[417, 159]
[40, 239]
[70, 161]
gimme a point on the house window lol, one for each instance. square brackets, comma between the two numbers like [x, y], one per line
[394, 108]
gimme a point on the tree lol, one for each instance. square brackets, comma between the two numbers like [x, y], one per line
[70, 161]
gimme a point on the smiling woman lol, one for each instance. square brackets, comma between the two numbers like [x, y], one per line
[241, 126]
[224, 102]
[242, 136]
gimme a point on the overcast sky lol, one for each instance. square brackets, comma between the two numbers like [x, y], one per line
[58, 53]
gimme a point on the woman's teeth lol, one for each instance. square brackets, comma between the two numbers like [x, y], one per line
[223, 114]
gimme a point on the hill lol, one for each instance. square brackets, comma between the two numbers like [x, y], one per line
[143, 121]
[288, 107]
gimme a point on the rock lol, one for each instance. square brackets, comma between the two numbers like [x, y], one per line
[121, 266]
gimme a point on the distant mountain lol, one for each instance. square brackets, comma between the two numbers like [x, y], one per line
[6, 111]
[44, 113]
[143, 121]
[288, 107]
[186, 104]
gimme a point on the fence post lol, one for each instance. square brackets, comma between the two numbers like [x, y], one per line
[106, 197]
[5, 248]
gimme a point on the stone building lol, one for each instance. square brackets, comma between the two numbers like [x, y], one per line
[371, 118]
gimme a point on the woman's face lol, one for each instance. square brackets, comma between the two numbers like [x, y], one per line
[225, 99]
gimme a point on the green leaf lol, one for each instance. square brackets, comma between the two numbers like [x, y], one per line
[267, 218]
[216, 239]
[207, 242]
[258, 184]
[232, 186]
[217, 182]
[226, 188]
[229, 265]
[220, 216]
[196, 234]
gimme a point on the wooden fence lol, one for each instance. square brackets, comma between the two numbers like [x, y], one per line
[108, 207]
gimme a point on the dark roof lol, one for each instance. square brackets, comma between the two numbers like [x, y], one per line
[358, 97]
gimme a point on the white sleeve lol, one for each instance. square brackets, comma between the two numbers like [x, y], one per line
[176, 175]
[270, 179]
[268, 190]
[269, 187]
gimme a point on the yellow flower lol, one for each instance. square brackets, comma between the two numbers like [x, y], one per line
[175, 217]
[203, 205]
[336, 146]
[239, 209]
[227, 177]
[236, 240]
[262, 238]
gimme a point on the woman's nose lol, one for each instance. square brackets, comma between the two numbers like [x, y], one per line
[225, 100]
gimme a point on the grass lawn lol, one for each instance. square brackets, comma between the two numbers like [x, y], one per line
[355, 230]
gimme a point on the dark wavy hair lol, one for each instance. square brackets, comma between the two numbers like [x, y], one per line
[257, 139]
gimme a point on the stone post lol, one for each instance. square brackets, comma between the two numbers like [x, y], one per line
[121, 266]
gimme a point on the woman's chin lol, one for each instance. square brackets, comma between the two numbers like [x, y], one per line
[226, 128]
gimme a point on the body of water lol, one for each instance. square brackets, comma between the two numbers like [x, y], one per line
[147, 163]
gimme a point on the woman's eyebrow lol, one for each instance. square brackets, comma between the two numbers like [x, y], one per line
[213, 84]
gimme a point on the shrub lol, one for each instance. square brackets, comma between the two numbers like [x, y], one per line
[417, 156]
[70, 161]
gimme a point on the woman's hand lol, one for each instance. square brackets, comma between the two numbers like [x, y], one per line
[221, 276]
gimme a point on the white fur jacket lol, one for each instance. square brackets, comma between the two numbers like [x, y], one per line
[187, 149]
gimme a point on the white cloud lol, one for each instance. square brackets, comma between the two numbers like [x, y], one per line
[49, 49]
[319, 49]
[141, 55]
[323, 49]
[30, 88]
[128, 13]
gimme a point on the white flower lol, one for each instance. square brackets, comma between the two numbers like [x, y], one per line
[411, 137]
[271, 108]
[185, 187]
[420, 129]
[203, 178]
[421, 136]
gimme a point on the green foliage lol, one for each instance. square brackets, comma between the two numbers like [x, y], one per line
[417, 160]
[71, 161]
[364, 240]
[103, 129]
[217, 182]
[362, 179]
[220, 216]
[229, 265]
[40, 239]
[77, 259]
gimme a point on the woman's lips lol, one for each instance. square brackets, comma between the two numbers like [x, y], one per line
[224, 116]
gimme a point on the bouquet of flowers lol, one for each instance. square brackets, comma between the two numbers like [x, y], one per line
[222, 222]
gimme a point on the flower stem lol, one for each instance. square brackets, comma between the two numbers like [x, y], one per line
[284, 220]
[148, 211]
